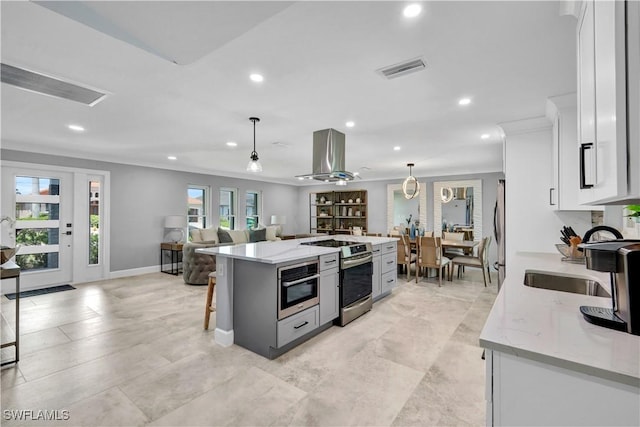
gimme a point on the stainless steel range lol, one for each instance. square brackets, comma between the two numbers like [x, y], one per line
[356, 277]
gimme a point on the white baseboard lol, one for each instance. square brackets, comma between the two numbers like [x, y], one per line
[224, 338]
[134, 272]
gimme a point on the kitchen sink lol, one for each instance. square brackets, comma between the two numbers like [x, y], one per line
[574, 285]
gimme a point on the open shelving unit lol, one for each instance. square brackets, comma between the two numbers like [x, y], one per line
[336, 212]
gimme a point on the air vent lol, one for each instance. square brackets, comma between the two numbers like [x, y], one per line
[39, 83]
[403, 68]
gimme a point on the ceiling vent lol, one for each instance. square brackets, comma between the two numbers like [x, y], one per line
[403, 68]
[39, 83]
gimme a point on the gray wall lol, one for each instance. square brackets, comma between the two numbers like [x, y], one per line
[377, 209]
[142, 196]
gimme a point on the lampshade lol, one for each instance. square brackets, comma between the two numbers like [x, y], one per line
[278, 219]
[175, 221]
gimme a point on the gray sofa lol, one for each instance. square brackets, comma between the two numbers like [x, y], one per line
[196, 267]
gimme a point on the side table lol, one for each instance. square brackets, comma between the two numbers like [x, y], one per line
[11, 270]
[173, 252]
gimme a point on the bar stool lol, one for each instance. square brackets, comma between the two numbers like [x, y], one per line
[209, 308]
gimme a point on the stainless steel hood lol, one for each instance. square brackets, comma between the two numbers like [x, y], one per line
[328, 157]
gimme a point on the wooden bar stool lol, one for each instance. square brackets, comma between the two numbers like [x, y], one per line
[209, 307]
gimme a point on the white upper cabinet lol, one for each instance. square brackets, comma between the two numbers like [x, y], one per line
[565, 182]
[602, 35]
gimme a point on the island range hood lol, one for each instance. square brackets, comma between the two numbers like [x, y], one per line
[328, 157]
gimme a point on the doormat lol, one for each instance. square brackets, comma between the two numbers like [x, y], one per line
[42, 291]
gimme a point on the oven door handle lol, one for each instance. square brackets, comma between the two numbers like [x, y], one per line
[304, 279]
[348, 263]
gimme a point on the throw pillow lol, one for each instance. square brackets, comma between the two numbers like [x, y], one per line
[239, 236]
[258, 235]
[271, 232]
[223, 236]
[195, 235]
[209, 234]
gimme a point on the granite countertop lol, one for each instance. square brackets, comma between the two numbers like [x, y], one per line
[286, 250]
[547, 326]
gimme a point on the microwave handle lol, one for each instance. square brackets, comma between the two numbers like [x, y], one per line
[304, 279]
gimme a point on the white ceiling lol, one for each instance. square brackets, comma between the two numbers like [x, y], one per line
[319, 61]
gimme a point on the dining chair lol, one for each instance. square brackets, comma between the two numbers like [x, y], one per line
[453, 252]
[481, 261]
[373, 234]
[430, 256]
[405, 256]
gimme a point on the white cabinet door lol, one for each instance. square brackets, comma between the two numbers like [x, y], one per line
[602, 102]
[565, 185]
[329, 295]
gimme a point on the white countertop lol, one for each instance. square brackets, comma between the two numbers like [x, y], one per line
[547, 326]
[286, 250]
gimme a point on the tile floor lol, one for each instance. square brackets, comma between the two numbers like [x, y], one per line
[132, 351]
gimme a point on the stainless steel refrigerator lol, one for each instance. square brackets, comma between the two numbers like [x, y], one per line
[498, 231]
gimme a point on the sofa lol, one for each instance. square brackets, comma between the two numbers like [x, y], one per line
[196, 267]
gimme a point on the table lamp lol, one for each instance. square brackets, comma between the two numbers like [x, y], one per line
[176, 223]
[278, 220]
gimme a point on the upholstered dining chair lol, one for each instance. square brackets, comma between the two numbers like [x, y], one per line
[405, 256]
[481, 261]
[356, 231]
[430, 256]
[453, 252]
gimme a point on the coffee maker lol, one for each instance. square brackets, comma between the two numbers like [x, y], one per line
[621, 258]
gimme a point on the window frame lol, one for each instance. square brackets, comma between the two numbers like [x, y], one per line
[258, 208]
[203, 217]
[233, 208]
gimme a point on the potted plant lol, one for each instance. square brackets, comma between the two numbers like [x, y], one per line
[635, 212]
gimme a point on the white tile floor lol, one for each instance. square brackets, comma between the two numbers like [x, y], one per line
[132, 351]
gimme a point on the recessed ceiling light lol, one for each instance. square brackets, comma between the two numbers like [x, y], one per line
[412, 10]
[350, 124]
[76, 128]
[256, 77]
[232, 144]
[464, 101]
[396, 148]
[172, 158]
[356, 173]
[301, 178]
[485, 136]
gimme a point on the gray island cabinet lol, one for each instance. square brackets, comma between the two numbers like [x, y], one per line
[255, 307]
[247, 293]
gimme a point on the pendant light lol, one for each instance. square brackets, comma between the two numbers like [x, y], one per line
[410, 186]
[446, 194]
[254, 164]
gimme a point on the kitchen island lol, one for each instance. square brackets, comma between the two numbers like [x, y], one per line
[247, 291]
[546, 365]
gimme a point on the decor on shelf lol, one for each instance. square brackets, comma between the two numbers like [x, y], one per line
[177, 224]
[279, 221]
[254, 164]
[410, 186]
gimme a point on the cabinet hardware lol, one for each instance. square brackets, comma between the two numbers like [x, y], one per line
[301, 325]
[551, 196]
[586, 180]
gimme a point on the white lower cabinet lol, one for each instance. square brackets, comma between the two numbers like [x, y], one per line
[385, 268]
[522, 391]
[329, 295]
